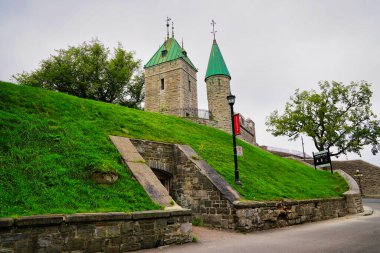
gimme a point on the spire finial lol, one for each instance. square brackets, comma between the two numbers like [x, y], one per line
[167, 27]
[172, 29]
[213, 28]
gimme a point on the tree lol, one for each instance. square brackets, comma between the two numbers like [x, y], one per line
[134, 94]
[338, 118]
[87, 71]
[375, 148]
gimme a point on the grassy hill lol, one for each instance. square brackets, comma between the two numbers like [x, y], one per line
[50, 143]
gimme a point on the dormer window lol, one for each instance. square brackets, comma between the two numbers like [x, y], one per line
[184, 52]
[164, 52]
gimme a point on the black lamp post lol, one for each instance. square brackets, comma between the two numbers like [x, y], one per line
[359, 176]
[231, 102]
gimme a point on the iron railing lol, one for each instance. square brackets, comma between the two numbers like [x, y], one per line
[189, 112]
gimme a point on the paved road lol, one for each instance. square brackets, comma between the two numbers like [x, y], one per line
[345, 235]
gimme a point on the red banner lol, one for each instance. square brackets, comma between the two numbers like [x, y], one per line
[237, 123]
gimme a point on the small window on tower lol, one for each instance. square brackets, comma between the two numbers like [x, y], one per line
[189, 85]
[164, 52]
[162, 84]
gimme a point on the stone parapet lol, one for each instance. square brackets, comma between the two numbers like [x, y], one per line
[95, 232]
[247, 131]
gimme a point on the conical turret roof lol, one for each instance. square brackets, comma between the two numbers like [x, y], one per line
[169, 51]
[216, 64]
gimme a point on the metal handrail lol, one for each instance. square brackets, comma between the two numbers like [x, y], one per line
[190, 112]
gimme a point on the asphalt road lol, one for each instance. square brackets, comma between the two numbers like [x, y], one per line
[346, 234]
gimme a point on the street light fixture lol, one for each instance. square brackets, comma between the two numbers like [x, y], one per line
[231, 102]
[359, 176]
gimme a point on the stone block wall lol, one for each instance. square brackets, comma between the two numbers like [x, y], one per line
[180, 88]
[213, 202]
[252, 216]
[195, 188]
[369, 182]
[218, 88]
[248, 133]
[158, 155]
[189, 185]
[100, 232]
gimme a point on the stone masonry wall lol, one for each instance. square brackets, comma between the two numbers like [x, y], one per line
[189, 188]
[158, 155]
[370, 181]
[248, 136]
[248, 132]
[100, 232]
[196, 186]
[260, 216]
[218, 88]
[177, 93]
[193, 189]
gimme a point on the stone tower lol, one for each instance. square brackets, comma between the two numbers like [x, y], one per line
[171, 81]
[218, 88]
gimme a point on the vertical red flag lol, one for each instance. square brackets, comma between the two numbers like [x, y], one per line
[237, 123]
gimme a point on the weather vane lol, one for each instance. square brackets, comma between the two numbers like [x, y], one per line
[213, 28]
[172, 29]
[167, 26]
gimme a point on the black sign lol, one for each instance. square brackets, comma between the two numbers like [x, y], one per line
[322, 159]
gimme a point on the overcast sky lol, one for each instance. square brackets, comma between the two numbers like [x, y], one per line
[270, 47]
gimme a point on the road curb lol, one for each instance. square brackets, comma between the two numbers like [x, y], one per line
[367, 211]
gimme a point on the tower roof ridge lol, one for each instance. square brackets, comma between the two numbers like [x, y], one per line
[216, 64]
[173, 52]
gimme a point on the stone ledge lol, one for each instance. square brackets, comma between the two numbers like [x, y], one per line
[37, 220]
[88, 217]
[248, 204]
[182, 212]
[257, 204]
[6, 222]
[150, 214]
[43, 220]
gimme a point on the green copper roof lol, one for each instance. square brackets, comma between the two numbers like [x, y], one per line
[173, 52]
[216, 64]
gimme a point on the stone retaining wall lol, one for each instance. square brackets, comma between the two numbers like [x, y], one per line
[197, 186]
[191, 186]
[253, 216]
[370, 181]
[98, 232]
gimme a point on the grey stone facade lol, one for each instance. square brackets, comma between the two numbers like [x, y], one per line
[178, 95]
[218, 88]
[100, 232]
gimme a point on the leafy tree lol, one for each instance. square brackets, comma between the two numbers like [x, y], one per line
[87, 71]
[134, 94]
[338, 118]
[376, 147]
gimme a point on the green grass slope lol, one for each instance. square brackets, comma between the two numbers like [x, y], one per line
[50, 143]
